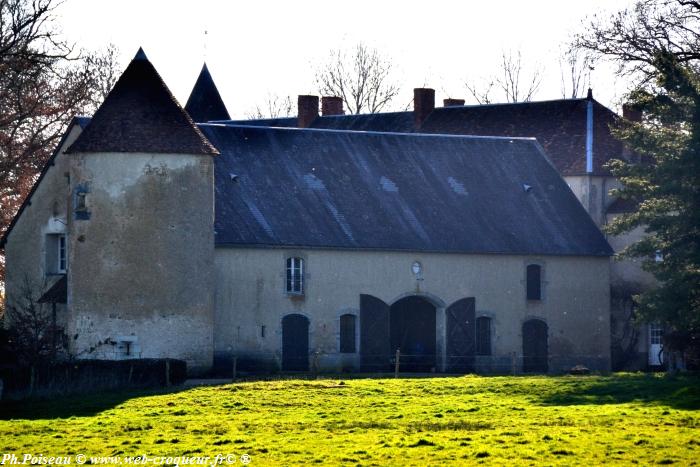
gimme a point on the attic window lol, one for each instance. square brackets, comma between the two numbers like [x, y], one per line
[295, 276]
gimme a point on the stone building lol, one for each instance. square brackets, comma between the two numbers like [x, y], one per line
[575, 135]
[310, 243]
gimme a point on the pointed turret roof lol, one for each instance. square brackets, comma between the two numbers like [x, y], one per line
[205, 103]
[140, 114]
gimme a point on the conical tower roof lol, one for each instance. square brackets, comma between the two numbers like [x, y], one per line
[205, 103]
[140, 114]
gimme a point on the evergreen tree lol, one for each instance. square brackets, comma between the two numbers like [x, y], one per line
[656, 43]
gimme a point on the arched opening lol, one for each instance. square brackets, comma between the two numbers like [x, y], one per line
[295, 343]
[412, 330]
[535, 346]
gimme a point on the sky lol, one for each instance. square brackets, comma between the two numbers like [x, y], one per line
[259, 48]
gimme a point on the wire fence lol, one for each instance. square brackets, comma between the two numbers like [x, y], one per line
[397, 363]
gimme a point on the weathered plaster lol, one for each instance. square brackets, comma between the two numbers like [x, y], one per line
[250, 294]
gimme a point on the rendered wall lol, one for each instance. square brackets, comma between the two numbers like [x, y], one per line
[250, 294]
[26, 247]
[141, 256]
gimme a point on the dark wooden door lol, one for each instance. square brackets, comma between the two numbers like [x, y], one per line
[295, 343]
[412, 330]
[535, 346]
[375, 348]
[461, 335]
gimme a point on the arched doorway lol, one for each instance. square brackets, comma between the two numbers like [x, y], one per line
[412, 329]
[535, 346]
[295, 343]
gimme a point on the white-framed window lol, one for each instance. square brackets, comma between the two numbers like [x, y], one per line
[61, 256]
[295, 276]
[56, 253]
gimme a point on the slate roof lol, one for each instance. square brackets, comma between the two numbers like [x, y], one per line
[140, 114]
[391, 191]
[205, 103]
[559, 126]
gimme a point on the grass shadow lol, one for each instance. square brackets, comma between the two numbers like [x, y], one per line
[79, 405]
[679, 392]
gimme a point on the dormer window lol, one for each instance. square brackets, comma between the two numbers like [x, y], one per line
[295, 276]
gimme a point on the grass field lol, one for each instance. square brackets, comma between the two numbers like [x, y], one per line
[623, 419]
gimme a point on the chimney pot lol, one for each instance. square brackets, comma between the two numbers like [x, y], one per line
[423, 104]
[629, 112]
[307, 110]
[331, 105]
[452, 102]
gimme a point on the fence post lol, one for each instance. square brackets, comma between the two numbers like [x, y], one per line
[235, 367]
[314, 364]
[396, 364]
[32, 377]
[513, 363]
[167, 373]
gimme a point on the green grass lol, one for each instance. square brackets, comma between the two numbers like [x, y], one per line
[622, 419]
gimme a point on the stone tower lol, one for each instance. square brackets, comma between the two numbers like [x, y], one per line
[141, 228]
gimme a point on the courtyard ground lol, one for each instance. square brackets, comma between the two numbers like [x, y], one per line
[583, 420]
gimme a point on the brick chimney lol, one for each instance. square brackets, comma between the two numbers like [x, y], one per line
[452, 102]
[630, 113]
[331, 105]
[423, 104]
[307, 110]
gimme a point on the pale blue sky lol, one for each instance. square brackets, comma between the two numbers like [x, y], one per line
[260, 47]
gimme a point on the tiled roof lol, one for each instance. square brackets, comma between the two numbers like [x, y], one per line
[392, 191]
[205, 103]
[140, 114]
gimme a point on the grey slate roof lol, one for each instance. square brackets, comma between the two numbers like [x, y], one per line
[559, 126]
[205, 103]
[389, 191]
[140, 114]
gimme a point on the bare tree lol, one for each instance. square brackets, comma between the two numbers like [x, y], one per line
[362, 77]
[575, 66]
[34, 336]
[43, 84]
[275, 106]
[511, 83]
[633, 37]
